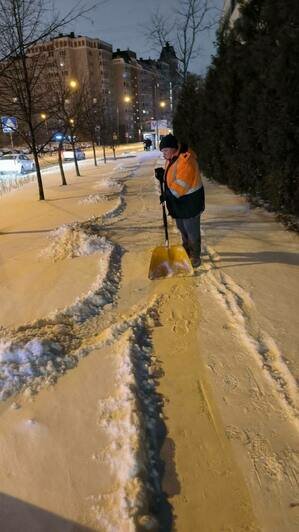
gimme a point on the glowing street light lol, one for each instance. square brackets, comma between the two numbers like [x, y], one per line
[43, 116]
[72, 121]
[162, 104]
[73, 84]
[127, 99]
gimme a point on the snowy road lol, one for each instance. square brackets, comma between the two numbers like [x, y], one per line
[199, 372]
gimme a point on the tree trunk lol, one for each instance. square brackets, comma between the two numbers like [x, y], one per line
[75, 157]
[104, 153]
[94, 154]
[38, 172]
[63, 180]
[113, 149]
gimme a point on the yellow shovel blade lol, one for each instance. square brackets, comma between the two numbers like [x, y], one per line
[169, 262]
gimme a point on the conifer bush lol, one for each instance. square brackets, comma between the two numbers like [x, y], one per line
[243, 118]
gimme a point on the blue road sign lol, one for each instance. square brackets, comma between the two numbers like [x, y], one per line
[9, 124]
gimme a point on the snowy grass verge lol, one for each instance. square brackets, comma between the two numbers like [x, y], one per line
[39, 352]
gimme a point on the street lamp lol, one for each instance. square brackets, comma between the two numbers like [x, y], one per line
[44, 118]
[73, 84]
[127, 99]
[162, 105]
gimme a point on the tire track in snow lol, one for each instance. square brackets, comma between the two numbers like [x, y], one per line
[243, 313]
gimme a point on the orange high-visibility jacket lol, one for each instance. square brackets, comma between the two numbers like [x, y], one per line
[183, 176]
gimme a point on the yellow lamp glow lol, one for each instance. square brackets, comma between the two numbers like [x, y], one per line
[73, 84]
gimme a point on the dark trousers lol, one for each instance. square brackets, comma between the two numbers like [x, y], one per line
[190, 231]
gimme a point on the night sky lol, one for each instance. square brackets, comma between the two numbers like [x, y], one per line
[121, 22]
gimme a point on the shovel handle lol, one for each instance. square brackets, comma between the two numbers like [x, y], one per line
[164, 217]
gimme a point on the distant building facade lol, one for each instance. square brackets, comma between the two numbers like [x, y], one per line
[85, 60]
[126, 88]
[137, 96]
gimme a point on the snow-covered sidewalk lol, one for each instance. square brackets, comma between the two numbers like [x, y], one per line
[198, 371]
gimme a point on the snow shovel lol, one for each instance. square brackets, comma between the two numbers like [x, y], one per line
[169, 261]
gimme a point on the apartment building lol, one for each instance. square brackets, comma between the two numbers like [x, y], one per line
[126, 87]
[133, 93]
[83, 59]
[145, 92]
[155, 94]
[168, 57]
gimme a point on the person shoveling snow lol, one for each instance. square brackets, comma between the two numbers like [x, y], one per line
[183, 192]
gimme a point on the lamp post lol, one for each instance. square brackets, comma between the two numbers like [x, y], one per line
[44, 119]
[127, 99]
[162, 105]
[117, 121]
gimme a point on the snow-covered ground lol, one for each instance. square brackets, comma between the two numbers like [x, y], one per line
[103, 372]
[12, 181]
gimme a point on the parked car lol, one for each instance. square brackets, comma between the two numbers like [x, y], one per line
[16, 163]
[25, 150]
[68, 154]
[86, 145]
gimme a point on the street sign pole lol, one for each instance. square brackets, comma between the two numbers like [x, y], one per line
[11, 140]
[9, 126]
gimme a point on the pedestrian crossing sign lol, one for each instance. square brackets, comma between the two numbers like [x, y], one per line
[9, 124]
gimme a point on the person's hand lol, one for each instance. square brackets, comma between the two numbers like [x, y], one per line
[159, 174]
[162, 198]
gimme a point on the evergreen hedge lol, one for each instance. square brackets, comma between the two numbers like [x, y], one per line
[243, 118]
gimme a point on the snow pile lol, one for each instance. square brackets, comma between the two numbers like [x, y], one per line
[102, 293]
[108, 184]
[9, 183]
[93, 198]
[38, 360]
[124, 171]
[118, 416]
[116, 210]
[69, 241]
[130, 419]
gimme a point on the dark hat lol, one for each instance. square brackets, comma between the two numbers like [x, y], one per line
[169, 141]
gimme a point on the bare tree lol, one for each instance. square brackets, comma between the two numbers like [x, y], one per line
[91, 120]
[190, 19]
[97, 124]
[25, 23]
[159, 30]
[69, 111]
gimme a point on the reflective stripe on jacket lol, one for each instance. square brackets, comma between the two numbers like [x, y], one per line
[183, 175]
[184, 191]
